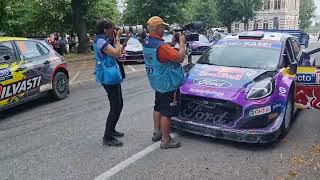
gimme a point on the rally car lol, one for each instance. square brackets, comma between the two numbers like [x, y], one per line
[246, 87]
[29, 69]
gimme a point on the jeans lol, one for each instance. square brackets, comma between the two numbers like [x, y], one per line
[116, 103]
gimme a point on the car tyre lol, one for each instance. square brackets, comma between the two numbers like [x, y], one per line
[288, 118]
[60, 86]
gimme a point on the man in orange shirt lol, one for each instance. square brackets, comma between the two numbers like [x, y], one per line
[165, 75]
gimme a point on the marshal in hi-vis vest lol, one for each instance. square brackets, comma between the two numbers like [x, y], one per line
[163, 77]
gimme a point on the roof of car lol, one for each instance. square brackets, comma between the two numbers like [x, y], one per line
[268, 36]
[5, 38]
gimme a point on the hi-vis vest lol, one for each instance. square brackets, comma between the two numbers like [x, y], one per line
[163, 77]
[107, 68]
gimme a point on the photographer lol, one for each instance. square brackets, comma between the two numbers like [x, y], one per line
[107, 49]
[165, 75]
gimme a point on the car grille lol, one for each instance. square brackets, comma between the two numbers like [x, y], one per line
[202, 48]
[134, 53]
[209, 111]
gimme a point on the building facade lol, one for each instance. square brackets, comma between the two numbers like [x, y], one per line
[275, 14]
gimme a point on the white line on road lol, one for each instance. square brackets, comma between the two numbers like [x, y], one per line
[122, 165]
[74, 77]
[130, 67]
[140, 70]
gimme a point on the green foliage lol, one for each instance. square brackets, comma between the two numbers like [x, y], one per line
[307, 10]
[139, 11]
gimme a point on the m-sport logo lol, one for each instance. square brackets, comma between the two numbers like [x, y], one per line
[212, 82]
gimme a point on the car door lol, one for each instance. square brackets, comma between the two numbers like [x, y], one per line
[307, 94]
[33, 63]
[9, 77]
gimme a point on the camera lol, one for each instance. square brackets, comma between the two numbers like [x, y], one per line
[191, 31]
[138, 29]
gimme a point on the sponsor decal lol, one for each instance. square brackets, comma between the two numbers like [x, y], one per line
[251, 73]
[203, 111]
[222, 75]
[249, 44]
[260, 111]
[212, 82]
[277, 105]
[273, 115]
[282, 91]
[205, 91]
[5, 74]
[308, 97]
[307, 78]
[19, 87]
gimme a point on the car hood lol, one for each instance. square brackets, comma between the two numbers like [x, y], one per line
[135, 48]
[219, 81]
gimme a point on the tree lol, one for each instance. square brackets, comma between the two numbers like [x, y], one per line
[230, 11]
[139, 11]
[307, 9]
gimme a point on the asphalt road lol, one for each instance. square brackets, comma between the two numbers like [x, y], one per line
[47, 139]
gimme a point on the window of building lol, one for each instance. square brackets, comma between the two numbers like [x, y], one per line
[236, 26]
[265, 24]
[267, 4]
[275, 23]
[283, 4]
[255, 24]
[277, 4]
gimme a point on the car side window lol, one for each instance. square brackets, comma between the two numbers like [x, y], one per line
[7, 53]
[288, 56]
[29, 49]
[296, 47]
[44, 50]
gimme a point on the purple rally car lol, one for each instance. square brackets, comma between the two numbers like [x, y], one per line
[246, 88]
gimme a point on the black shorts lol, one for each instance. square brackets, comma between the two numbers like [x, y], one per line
[167, 103]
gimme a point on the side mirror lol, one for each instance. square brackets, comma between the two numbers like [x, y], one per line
[293, 68]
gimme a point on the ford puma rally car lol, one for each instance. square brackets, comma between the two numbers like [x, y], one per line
[28, 69]
[245, 88]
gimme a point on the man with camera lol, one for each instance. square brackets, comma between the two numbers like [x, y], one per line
[165, 75]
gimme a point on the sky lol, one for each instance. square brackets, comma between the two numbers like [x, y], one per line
[317, 2]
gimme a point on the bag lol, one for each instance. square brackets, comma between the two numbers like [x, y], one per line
[108, 74]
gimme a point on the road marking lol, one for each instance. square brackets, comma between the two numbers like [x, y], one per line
[130, 67]
[122, 165]
[74, 77]
[72, 83]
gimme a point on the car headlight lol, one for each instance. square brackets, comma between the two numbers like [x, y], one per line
[261, 89]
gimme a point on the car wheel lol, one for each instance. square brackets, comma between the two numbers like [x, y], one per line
[287, 120]
[60, 86]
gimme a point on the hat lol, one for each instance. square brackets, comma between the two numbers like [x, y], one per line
[155, 21]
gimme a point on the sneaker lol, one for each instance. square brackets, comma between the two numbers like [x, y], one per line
[117, 134]
[170, 144]
[156, 136]
[112, 142]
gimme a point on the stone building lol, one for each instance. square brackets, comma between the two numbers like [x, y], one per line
[275, 14]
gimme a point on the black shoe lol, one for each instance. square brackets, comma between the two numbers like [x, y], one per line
[112, 142]
[117, 134]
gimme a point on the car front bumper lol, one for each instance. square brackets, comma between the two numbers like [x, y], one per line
[264, 135]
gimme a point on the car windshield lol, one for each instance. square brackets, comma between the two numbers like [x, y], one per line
[242, 56]
[202, 38]
[133, 41]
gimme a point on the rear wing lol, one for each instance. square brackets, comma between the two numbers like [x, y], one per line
[302, 37]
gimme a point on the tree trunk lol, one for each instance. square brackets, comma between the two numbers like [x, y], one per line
[229, 27]
[79, 24]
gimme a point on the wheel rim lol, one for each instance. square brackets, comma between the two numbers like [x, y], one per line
[61, 86]
[288, 116]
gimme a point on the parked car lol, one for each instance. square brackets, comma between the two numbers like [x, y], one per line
[246, 87]
[133, 51]
[29, 69]
[199, 47]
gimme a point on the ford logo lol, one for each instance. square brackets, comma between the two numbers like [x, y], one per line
[212, 82]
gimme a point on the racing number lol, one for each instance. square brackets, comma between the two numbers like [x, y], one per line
[149, 70]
